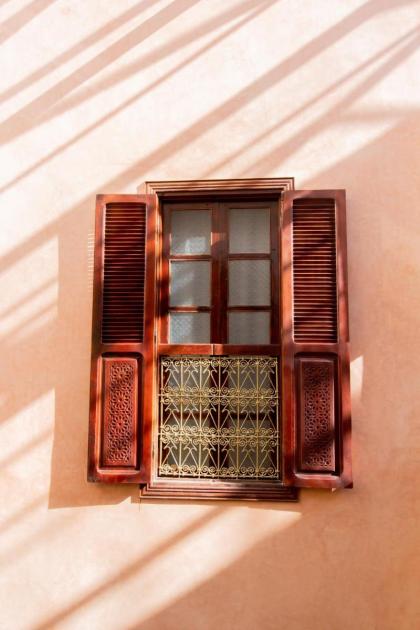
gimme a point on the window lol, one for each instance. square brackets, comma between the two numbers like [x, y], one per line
[219, 415]
[219, 354]
[220, 273]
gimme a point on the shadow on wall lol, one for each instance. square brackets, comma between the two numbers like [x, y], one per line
[228, 597]
[373, 176]
[379, 162]
[291, 592]
[66, 341]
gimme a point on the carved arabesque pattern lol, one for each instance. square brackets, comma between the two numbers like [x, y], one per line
[119, 413]
[318, 428]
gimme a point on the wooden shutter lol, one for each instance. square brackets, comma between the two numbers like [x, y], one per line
[122, 337]
[316, 396]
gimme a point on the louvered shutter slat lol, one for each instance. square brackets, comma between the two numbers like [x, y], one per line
[314, 231]
[124, 265]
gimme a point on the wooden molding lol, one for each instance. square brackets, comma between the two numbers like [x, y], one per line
[275, 185]
[193, 489]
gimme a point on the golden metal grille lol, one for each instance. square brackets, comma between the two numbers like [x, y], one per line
[219, 417]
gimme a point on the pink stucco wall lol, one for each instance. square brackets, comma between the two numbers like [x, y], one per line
[97, 97]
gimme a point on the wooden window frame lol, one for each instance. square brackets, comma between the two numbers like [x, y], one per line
[211, 191]
[312, 344]
[219, 258]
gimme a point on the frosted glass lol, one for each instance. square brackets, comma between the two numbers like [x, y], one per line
[249, 283]
[190, 231]
[249, 231]
[249, 327]
[189, 328]
[189, 283]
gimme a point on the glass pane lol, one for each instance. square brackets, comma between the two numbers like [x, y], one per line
[190, 283]
[189, 328]
[247, 327]
[190, 231]
[249, 283]
[249, 230]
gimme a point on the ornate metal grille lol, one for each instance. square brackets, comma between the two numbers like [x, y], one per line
[219, 417]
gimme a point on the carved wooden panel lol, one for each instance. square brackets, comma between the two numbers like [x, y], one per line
[119, 440]
[316, 413]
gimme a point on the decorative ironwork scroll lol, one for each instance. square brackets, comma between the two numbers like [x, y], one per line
[219, 417]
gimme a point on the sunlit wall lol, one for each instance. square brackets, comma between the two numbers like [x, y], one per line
[100, 96]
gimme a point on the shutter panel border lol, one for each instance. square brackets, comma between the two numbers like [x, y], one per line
[122, 405]
[294, 352]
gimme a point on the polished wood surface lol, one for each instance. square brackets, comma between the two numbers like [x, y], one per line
[197, 187]
[220, 196]
[128, 397]
[304, 364]
[316, 401]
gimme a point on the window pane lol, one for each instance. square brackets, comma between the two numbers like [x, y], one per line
[190, 231]
[190, 283]
[189, 328]
[249, 283]
[249, 327]
[249, 231]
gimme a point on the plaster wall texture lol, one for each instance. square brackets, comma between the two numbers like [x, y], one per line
[97, 97]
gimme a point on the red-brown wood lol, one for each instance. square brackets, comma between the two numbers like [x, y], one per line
[164, 245]
[316, 394]
[120, 412]
[314, 352]
[226, 256]
[122, 337]
[316, 379]
[219, 349]
[314, 270]
[190, 489]
[167, 256]
[160, 487]
[219, 259]
[194, 188]
[221, 288]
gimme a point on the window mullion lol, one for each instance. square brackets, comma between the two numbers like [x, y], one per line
[219, 281]
[223, 262]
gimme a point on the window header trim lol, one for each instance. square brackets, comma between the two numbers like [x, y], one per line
[274, 185]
